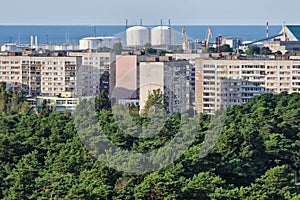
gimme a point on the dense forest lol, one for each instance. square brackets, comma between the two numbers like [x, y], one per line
[255, 157]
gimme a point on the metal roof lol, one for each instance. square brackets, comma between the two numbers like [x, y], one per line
[135, 28]
[295, 30]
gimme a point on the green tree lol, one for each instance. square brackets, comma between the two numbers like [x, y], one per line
[202, 186]
[103, 49]
[239, 51]
[24, 108]
[226, 48]
[276, 183]
[265, 51]
[210, 50]
[102, 102]
[148, 49]
[177, 50]
[3, 101]
[2, 86]
[21, 182]
[42, 156]
[117, 48]
[161, 184]
[156, 97]
[162, 52]
[253, 50]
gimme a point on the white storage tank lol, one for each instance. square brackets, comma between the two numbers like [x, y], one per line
[162, 35]
[137, 36]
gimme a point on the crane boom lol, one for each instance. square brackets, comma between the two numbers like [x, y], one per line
[185, 40]
[208, 36]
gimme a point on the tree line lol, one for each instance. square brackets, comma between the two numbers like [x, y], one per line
[255, 157]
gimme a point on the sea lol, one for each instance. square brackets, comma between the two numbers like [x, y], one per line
[67, 34]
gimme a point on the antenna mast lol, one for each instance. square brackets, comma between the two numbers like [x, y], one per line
[267, 29]
[170, 33]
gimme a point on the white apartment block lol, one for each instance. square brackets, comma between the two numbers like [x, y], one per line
[48, 76]
[11, 71]
[79, 73]
[222, 83]
[170, 78]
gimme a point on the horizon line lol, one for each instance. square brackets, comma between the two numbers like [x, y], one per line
[142, 24]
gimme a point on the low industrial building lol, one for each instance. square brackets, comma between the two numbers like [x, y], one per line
[289, 33]
[287, 41]
[97, 42]
[64, 103]
[283, 46]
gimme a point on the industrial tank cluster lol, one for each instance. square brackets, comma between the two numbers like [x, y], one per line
[138, 36]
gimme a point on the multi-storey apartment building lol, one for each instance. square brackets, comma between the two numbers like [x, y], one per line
[126, 77]
[126, 88]
[190, 68]
[224, 82]
[168, 76]
[97, 72]
[11, 71]
[40, 75]
[51, 74]
[137, 75]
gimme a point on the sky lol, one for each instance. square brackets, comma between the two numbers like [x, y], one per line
[182, 12]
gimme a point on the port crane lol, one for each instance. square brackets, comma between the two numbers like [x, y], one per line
[208, 37]
[185, 40]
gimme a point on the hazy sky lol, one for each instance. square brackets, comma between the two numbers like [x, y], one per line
[183, 12]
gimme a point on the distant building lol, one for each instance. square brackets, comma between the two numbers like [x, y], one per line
[290, 33]
[226, 82]
[190, 73]
[10, 47]
[49, 76]
[283, 46]
[168, 76]
[137, 75]
[59, 47]
[53, 73]
[97, 42]
[127, 78]
[60, 104]
[232, 42]
[97, 72]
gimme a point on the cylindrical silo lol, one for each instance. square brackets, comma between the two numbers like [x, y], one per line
[162, 35]
[137, 36]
